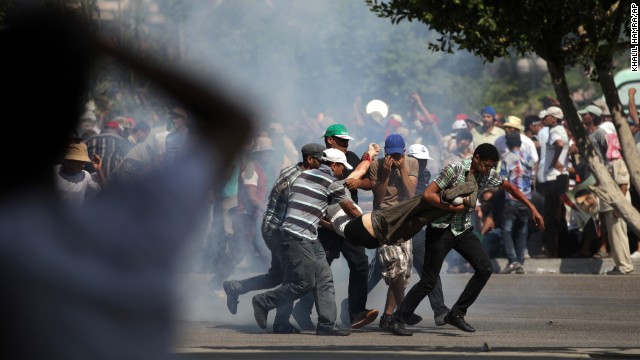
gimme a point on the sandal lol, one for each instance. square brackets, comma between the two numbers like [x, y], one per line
[600, 255]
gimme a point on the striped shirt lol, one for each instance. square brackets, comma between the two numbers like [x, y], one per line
[278, 200]
[452, 175]
[312, 192]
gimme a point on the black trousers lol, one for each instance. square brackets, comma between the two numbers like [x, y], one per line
[438, 243]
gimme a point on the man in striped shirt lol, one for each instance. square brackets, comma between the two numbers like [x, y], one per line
[272, 235]
[304, 261]
[454, 231]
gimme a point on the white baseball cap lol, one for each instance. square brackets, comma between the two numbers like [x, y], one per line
[335, 155]
[459, 124]
[419, 151]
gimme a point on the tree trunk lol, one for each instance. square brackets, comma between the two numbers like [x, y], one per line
[606, 190]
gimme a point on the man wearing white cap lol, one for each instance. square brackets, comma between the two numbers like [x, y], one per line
[556, 181]
[304, 261]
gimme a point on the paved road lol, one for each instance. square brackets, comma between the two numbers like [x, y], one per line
[531, 316]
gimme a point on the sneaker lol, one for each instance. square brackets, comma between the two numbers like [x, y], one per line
[439, 320]
[635, 255]
[398, 328]
[386, 322]
[285, 328]
[232, 295]
[511, 268]
[464, 189]
[334, 331]
[616, 271]
[520, 270]
[364, 318]
[259, 312]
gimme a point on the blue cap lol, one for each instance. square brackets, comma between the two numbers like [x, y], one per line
[394, 144]
[488, 110]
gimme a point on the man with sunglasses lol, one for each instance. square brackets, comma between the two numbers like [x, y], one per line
[454, 231]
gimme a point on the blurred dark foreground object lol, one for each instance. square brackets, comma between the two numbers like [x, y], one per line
[93, 283]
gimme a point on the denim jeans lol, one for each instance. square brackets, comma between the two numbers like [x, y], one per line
[438, 244]
[305, 269]
[357, 261]
[515, 226]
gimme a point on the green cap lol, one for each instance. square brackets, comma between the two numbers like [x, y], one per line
[338, 130]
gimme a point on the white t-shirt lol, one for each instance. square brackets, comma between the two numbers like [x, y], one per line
[340, 220]
[73, 188]
[555, 133]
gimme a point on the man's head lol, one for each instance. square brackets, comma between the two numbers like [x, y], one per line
[394, 146]
[513, 124]
[464, 138]
[337, 137]
[553, 116]
[587, 202]
[420, 153]
[513, 140]
[485, 158]
[337, 161]
[76, 158]
[140, 131]
[178, 117]
[311, 155]
[488, 114]
[590, 116]
[532, 124]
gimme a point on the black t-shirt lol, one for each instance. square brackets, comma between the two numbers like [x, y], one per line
[353, 160]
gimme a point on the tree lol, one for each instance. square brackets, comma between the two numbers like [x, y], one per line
[564, 33]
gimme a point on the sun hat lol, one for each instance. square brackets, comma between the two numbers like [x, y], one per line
[77, 152]
[514, 122]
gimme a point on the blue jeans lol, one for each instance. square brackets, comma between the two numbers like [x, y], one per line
[514, 225]
[305, 269]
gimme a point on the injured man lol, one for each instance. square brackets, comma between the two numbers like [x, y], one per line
[395, 224]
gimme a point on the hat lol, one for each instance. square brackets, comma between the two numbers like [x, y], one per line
[419, 151]
[461, 117]
[602, 105]
[514, 122]
[394, 144]
[336, 156]
[396, 117]
[262, 143]
[591, 109]
[488, 110]
[542, 114]
[112, 125]
[178, 111]
[276, 128]
[556, 112]
[337, 130]
[459, 124]
[77, 152]
[313, 149]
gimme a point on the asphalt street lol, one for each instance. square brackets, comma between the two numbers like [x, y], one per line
[532, 316]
